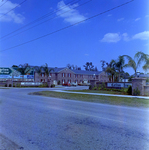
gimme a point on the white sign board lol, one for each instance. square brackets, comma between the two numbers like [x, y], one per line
[115, 85]
[119, 85]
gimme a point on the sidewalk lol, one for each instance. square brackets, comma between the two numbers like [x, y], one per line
[103, 94]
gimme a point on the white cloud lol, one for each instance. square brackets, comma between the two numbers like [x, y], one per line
[147, 16]
[11, 16]
[111, 38]
[115, 37]
[121, 19]
[125, 37]
[137, 19]
[68, 12]
[142, 35]
[109, 15]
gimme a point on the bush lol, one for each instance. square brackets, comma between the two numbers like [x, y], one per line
[43, 85]
[103, 85]
[13, 85]
[129, 90]
[59, 82]
[52, 85]
[99, 88]
[95, 88]
[90, 87]
[17, 85]
[9, 85]
[136, 92]
[5, 85]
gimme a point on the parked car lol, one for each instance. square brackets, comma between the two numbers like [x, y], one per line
[73, 84]
[85, 84]
[66, 84]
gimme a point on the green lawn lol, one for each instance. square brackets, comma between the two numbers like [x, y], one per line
[134, 102]
[100, 91]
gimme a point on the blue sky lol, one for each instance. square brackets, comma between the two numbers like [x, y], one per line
[122, 31]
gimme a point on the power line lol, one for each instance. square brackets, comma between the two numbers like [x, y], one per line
[68, 26]
[13, 8]
[48, 20]
[3, 3]
[38, 19]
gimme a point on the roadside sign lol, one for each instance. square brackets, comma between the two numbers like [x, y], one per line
[5, 71]
[9, 73]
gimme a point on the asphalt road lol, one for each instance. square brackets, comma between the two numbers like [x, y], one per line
[31, 122]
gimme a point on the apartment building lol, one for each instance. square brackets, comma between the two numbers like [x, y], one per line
[66, 75]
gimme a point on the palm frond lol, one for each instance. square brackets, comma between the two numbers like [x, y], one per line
[128, 57]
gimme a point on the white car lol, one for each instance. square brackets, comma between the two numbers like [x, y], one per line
[73, 84]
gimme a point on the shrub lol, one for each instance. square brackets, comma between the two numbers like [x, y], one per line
[103, 85]
[59, 82]
[9, 85]
[95, 88]
[52, 85]
[90, 87]
[13, 85]
[99, 88]
[136, 92]
[5, 85]
[108, 89]
[129, 90]
[17, 85]
[105, 89]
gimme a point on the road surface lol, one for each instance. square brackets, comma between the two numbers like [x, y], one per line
[31, 122]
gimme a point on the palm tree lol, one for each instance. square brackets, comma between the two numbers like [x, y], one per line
[135, 63]
[24, 69]
[39, 70]
[119, 65]
[110, 70]
[146, 66]
[47, 70]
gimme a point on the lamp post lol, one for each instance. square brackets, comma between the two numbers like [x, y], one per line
[138, 73]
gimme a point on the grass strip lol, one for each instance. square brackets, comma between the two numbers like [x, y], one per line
[100, 91]
[114, 100]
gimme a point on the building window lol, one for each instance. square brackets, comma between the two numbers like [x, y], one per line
[63, 74]
[42, 74]
[63, 81]
[76, 76]
[69, 75]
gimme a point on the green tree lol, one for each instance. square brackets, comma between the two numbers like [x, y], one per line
[39, 70]
[24, 69]
[110, 70]
[47, 70]
[89, 66]
[146, 66]
[119, 65]
[136, 62]
[14, 66]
